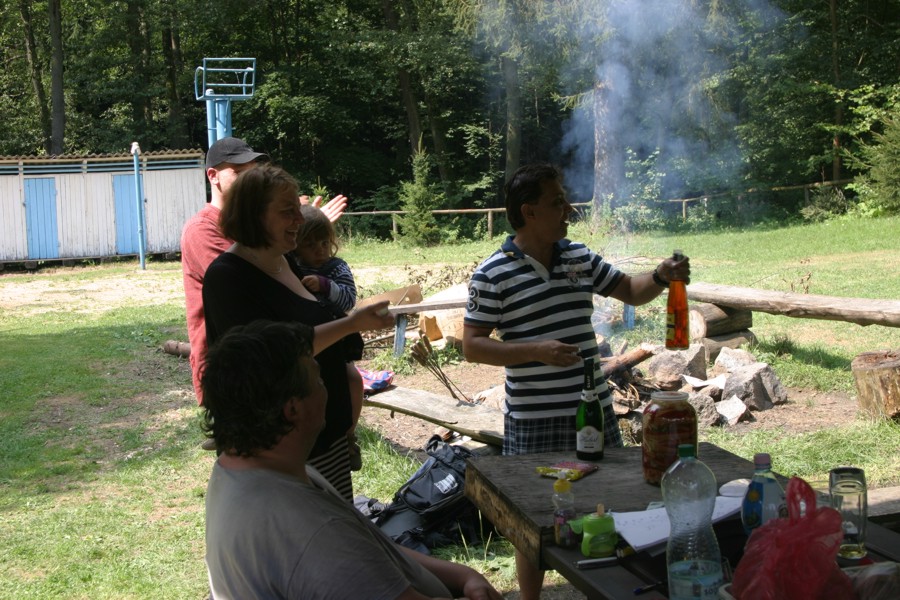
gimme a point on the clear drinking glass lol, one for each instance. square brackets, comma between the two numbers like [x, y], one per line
[848, 496]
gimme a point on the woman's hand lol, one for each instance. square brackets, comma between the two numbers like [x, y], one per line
[373, 317]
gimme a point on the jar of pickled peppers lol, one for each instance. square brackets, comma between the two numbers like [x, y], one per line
[669, 420]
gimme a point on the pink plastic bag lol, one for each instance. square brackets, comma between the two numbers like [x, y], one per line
[794, 557]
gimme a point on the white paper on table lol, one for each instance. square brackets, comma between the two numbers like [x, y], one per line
[645, 528]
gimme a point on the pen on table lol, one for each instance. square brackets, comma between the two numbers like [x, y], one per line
[591, 563]
[648, 588]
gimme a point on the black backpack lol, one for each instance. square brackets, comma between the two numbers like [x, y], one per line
[431, 510]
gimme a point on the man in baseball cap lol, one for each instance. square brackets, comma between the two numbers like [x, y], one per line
[234, 151]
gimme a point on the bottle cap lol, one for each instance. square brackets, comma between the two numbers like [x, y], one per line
[762, 459]
[686, 450]
[562, 484]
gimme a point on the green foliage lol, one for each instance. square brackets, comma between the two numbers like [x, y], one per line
[825, 203]
[879, 186]
[418, 198]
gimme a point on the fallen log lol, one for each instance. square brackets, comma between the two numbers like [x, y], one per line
[877, 376]
[862, 311]
[182, 349]
[732, 340]
[620, 362]
[707, 320]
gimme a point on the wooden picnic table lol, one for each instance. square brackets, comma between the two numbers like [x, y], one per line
[516, 500]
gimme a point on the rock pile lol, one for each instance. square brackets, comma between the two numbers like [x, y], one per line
[724, 394]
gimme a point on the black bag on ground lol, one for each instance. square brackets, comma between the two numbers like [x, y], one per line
[431, 510]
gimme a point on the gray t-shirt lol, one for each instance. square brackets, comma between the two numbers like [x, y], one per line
[269, 535]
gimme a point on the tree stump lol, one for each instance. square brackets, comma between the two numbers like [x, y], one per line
[877, 376]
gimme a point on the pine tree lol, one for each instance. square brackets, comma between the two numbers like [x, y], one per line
[418, 198]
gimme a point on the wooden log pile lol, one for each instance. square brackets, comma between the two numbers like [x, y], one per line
[718, 327]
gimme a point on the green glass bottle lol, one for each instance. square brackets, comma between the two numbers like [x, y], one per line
[589, 418]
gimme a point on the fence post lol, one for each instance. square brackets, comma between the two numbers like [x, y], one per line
[490, 224]
[394, 225]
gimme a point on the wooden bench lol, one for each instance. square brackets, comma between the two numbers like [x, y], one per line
[862, 311]
[480, 422]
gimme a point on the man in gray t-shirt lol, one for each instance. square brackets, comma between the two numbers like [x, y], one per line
[274, 527]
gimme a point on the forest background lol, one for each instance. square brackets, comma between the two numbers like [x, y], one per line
[426, 104]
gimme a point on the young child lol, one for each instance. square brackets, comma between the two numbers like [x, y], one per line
[330, 279]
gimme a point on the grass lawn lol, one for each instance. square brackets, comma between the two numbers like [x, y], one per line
[102, 480]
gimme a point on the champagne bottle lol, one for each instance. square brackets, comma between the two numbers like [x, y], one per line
[589, 418]
[677, 313]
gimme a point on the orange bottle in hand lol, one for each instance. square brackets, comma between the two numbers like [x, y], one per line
[677, 336]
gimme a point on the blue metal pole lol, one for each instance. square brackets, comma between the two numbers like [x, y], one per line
[211, 121]
[223, 118]
[139, 200]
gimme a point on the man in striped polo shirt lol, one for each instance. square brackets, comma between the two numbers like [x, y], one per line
[537, 293]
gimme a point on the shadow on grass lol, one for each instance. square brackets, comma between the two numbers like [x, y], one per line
[87, 399]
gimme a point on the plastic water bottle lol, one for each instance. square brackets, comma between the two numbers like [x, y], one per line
[693, 560]
[563, 511]
[764, 499]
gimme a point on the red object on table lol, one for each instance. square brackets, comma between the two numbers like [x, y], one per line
[794, 557]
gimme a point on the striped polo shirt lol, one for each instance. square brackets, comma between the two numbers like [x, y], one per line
[516, 295]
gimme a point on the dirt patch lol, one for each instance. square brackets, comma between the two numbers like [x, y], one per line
[806, 410]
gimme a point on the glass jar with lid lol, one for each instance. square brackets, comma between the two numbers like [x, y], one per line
[669, 420]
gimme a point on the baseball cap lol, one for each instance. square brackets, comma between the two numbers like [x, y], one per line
[232, 150]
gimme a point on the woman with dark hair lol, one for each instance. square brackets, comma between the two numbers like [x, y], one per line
[253, 280]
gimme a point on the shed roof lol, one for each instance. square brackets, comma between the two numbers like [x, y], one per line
[99, 163]
[190, 153]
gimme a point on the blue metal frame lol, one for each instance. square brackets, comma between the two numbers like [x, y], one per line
[223, 80]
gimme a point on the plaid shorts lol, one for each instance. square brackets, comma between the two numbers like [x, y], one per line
[553, 434]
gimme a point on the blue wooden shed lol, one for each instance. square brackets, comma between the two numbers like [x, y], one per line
[73, 207]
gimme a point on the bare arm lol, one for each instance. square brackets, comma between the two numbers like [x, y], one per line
[641, 289]
[459, 579]
[479, 346]
[372, 317]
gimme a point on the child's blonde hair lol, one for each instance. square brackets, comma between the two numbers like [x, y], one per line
[316, 227]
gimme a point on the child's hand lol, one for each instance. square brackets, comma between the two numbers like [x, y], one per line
[311, 282]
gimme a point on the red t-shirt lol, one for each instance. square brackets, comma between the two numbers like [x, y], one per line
[201, 243]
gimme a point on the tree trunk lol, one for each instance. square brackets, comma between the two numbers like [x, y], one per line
[37, 82]
[140, 61]
[877, 376]
[439, 139]
[513, 115]
[861, 311]
[708, 320]
[407, 94]
[57, 95]
[838, 105]
[604, 177]
[171, 49]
